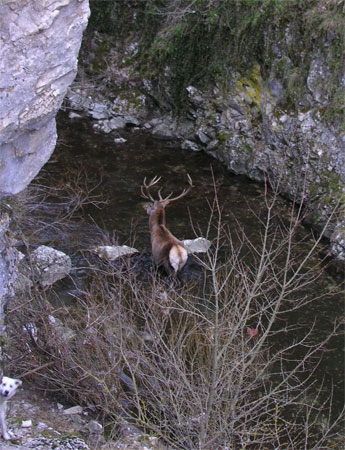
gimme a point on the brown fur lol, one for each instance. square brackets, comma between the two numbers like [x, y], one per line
[162, 240]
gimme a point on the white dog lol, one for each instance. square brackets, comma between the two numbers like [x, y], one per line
[8, 388]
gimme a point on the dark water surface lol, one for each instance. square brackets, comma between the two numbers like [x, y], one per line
[118, 171]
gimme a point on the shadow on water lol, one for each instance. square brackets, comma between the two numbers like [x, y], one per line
[117, 171]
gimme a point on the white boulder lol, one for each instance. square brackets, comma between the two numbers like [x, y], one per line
[112, 252]
[50, 265]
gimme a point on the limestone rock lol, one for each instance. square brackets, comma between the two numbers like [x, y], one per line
[50, 264]
[73, 410]
[93, 427]
[27, 424]
[9, 258]
[112, 252]
[338, 241]
[190, 145]
[63, 332]
[198, 245]
[39, 44]
[117, 123]
[57, 443]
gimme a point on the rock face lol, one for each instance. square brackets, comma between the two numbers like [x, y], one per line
[8, 261]
[39, 45]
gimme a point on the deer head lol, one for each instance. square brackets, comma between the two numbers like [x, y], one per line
[145, 193]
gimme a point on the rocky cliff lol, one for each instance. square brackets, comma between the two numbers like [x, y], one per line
[39, 45]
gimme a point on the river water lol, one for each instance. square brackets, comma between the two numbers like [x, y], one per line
[114, 172]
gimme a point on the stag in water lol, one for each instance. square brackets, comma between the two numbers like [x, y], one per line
[167, 250]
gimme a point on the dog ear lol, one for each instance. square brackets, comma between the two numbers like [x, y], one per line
[18, 382]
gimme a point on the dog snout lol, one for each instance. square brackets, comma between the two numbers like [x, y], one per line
[5, 393]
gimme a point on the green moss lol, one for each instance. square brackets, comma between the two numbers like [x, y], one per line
[98, 63]
[202, 44]
[17, 420]
[52, 434]
[251, 87]
[222, 136]
[248, 148]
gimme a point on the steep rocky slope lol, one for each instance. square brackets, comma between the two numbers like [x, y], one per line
[39, 45]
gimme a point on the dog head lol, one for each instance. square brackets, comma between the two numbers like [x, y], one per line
[9, 386]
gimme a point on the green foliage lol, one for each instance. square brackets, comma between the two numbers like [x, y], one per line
[121, 17]
[203, 40]
[101, 18]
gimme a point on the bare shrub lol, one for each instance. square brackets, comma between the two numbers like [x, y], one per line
[46, 214]
[197, 366]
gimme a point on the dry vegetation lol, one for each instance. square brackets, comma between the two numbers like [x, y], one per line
[199, 365]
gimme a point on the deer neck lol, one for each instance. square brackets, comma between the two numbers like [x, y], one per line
[157, 217]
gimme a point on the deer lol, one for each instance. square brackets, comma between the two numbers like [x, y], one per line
[167, 250]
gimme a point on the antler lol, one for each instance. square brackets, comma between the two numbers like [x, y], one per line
[183, 193]
[167, 199]
[147, 195]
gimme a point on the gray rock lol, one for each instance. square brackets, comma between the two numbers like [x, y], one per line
[120, 140]
[39, 44]
[198, 245]
[131, 120]
[93, 427]
[26, 424]
[73, 115]
[63, 332]
[50, 265]
[190, 145]
[318, 75]
[9, 258]
[195, 96]
[73, 410]
[204, 139]
[338, 241]
[163, 131]
[56, 443]
[112, 252]
[99, 114]
[117, 123]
